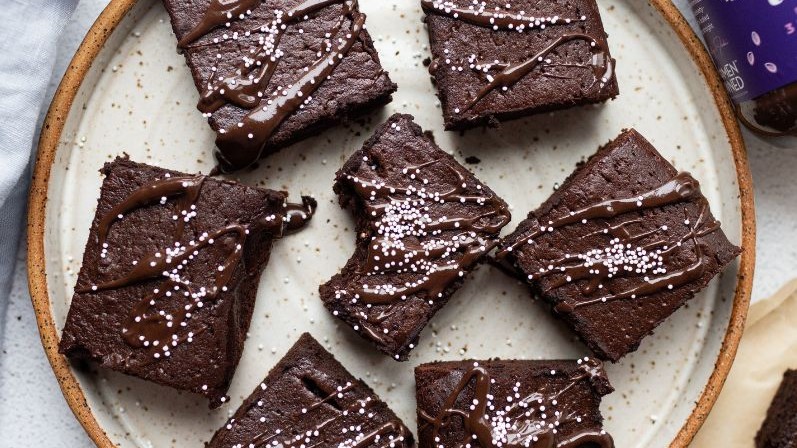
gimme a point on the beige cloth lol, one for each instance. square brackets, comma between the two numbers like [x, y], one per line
[768, 348]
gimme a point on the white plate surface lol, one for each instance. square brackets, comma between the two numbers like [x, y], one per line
[139, 99]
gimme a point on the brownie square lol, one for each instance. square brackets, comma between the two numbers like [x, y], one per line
[623, 243]
[495, 60]
[308, 399]
[170, 272]
[512, 404]
[273, 72]
[423, 222]
[779, 429]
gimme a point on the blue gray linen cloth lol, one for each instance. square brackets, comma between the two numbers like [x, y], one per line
[29, 31]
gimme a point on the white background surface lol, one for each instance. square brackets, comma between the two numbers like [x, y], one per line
[33, 411]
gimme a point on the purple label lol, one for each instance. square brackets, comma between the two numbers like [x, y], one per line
[753, 43]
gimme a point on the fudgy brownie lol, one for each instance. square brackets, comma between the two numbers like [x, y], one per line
[780, 427]
[309, 400]
[423, 222]
[496, 60]
[512, 404]
[170, 271]
[624, 242]
[273, 72]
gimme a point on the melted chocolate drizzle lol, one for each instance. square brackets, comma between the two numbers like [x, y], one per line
[649, 285]
[599, 265]
[415, 247]
[332, 398]
[520, 424]
[601, 63]
[218, 13]
[242, 145]
[186, 188]
[602, 66]
[159, 330]
[503, 20]
[383, 430]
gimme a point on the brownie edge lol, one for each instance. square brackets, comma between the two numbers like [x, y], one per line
[779, 429]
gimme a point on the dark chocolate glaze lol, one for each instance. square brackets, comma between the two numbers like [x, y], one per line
[529, 430]
[602, 64]
[144, 327]
[186, 188]
[683, 187]
[264, 438]
[495, 20]
[334, 394]
[377, 322]
[586, 438]
[242, 145]
[297, 215]
[218, 13]
[439, 276]
[419, 233]
[386, 429]
[309, 400]
[245, 88]
[649, 285]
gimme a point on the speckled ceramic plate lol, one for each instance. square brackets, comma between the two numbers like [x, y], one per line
[128, 91]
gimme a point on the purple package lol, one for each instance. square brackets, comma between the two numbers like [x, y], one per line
[753, 43]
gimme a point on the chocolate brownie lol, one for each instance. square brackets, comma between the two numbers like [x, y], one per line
[273, 72]
[170, 271]
[495, 60]
[623, 243]
[512, 404]
[780, 427]
[309, 400]
[423, 222]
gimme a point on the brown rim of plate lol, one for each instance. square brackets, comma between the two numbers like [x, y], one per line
[93, 43]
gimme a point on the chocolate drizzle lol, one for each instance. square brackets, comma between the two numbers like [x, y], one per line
[532, 421]
[624, 256]
[496, 20]
[682, 187]
[601, 63]
[602, 66]
[384, 430]
[162, 329]
[297, 215]
[144, 325]
[186, 188]
[218, 13]
[587, 438]
[404, 234]
[331, 397]
[648, 285]
[241, 145]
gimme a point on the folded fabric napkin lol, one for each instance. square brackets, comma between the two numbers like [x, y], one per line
[28, 37]
[768, 349]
